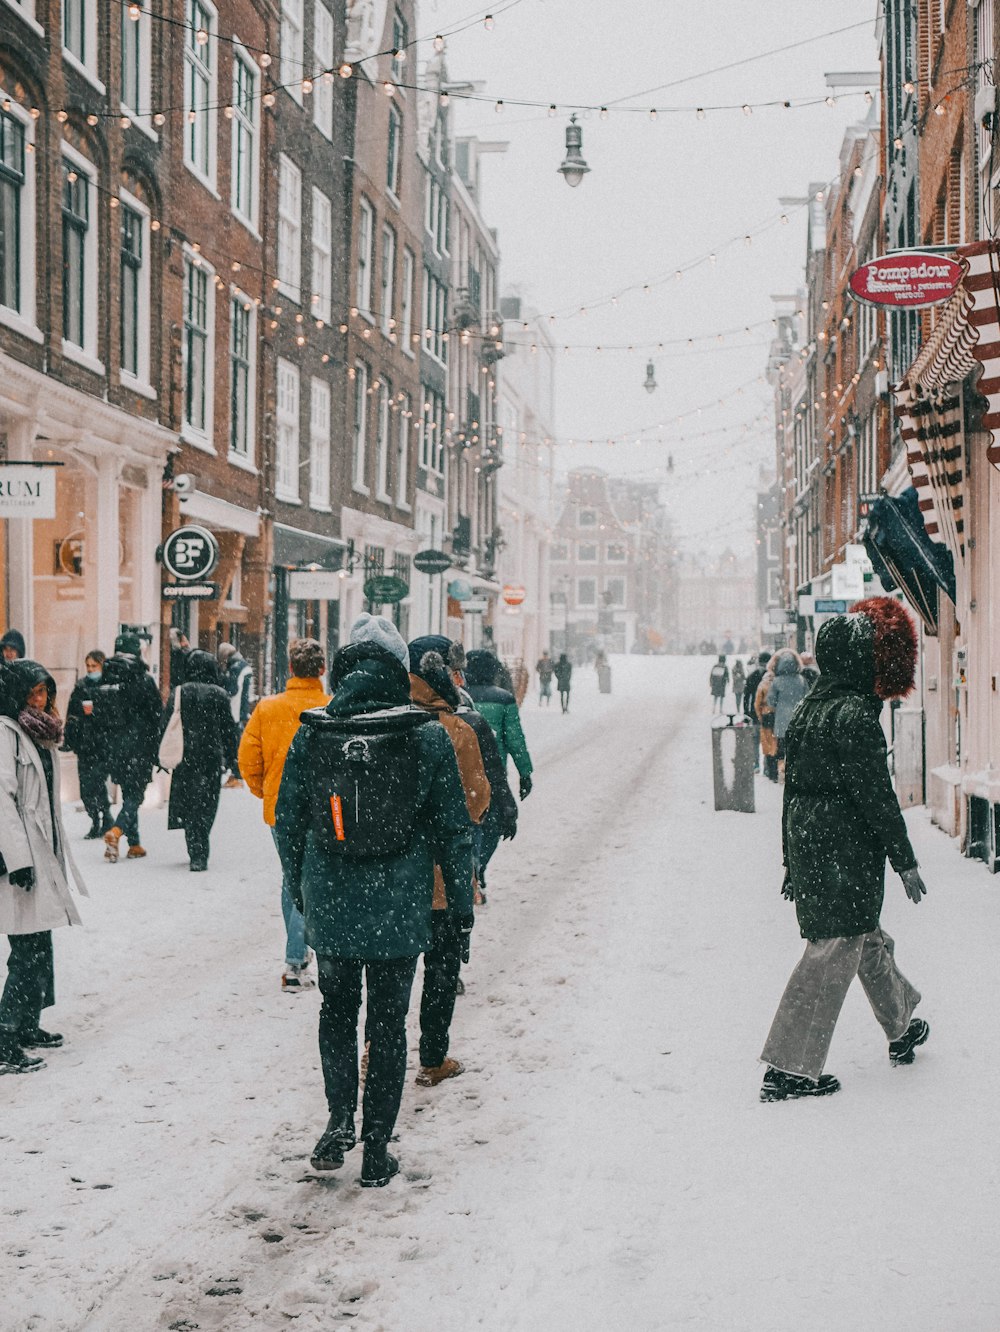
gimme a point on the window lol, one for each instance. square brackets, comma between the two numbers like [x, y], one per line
[394, 153]
[616, 554]
[134, 305]
[13, 179]
[289, 228]
[614, 592]
[292, 53]
[432, 432]
[200, 91]
[388, 279]
[360, 426]
[400, 42]
[586, 592]
[75, 29]
[586, 553]
[436, 215]
[198, 310]
[559, 553]
[244, 146]
[403, 450]
[382, 441]
[286, 469]
[242, 327]
[322, 255]
[136, 62]
[406, 306]
[319, 445]
[323, 60]
[587, 518]
[436, 316]
[76, 252]
[363, 284]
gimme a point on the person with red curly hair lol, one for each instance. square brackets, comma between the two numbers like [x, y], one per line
[841, 821]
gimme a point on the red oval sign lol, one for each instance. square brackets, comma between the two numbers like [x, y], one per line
[514, 594]
[908, 280]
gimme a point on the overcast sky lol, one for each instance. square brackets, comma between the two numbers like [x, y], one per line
[660, 194]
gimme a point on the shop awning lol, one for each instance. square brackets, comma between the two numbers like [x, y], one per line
[929, 400]
[904, 556]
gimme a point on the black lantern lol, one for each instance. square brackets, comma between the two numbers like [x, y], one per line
[650, 384]
[573, 168]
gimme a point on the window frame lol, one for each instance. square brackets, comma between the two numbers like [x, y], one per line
[363, 279]
[359, 430]
[581, 558]
[323, 53]
[321, 272]
[582, 604]
[406, 302]
[320, 438]
[383, 430]
[22, 317]
[394, 154]
[85, 352]
[245, 129]
[400, 41]
[289, 230]
[620, 602]
[201, 436]
[140, 111]
[206, 70]
[85, 61]
[387, 280]
[239, 457]
[287, 435]
[141, 378]
[293, 26]
[405, 414]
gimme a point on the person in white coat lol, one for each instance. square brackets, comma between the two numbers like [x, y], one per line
[35, 896]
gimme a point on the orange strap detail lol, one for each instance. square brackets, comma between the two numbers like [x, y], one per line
[338, 818]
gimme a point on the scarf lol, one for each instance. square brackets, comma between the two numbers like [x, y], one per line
[41, 727]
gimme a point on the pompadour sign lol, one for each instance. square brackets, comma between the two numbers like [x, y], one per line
[906, 280]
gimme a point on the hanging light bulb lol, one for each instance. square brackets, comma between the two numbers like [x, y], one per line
[307, 86]
[488, 22]
[573, 167]
[135, 13]
[345, 71]
[700, 113]
[201, 36]
[439, 43]
[265, 60]
[604, 113]
[552, 109]
[747, 109]
[650, 384]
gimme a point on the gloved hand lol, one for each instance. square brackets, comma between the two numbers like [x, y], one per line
[23, 878]
[787, 891]
[912, 882]
[509, 831]
[463, 928]
[525, 787]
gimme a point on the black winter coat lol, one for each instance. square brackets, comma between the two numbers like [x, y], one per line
[86, 736]
[211, 740]
[130, 710]
[502, 813]
[841, 818]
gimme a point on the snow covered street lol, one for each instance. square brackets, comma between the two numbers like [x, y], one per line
[604, 1163]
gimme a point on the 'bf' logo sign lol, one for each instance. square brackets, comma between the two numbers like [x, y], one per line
[190, 553]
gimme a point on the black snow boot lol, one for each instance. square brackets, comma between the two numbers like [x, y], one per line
[379, 1164]
[13, 1059]
[778, 1086]
[97, 830]
[338, 1137]
[903, 1051]
[37, 1039]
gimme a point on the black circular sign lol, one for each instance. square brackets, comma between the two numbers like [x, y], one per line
[432, 561]
[190, 553]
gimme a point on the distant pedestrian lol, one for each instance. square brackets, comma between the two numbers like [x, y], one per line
[272, 727]
[545, 668]
[129, 710]
[180, 648]
[787, 691]
[12, 645]
[499, 707]
[35, 896]
[718, 683]
[603, 668]
[370, 800]
[764, 712]
[810, 671]
[739, 682]
[237, 679]
[564, 679]
[753, 684]
[86, 737]
[841, 821]
[210, 743]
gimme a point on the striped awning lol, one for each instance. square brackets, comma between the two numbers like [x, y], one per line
[929, 400]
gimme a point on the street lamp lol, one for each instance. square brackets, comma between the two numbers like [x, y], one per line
[573, 168]
[650, 384]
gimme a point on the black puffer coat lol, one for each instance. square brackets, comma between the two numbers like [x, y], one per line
[210, 744]
[129, 710]
[841, 817]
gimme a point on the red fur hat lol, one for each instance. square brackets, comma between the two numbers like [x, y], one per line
[895, 645]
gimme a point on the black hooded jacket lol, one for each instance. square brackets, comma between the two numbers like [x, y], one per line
[210, 742]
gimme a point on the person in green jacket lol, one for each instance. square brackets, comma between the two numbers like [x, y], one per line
[841, 821]
[499, 707]
[370, 800]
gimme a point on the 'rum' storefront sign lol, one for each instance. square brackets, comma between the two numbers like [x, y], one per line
[27, 491]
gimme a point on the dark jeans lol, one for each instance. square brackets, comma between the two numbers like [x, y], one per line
[486, 839]
[442, 964]
[564, 699]
[127, 817]
[94, 789]
[389, 986]
[196, 836]
[30, 983]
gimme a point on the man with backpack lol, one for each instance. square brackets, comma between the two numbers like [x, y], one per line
[370, 801]
[129, 709]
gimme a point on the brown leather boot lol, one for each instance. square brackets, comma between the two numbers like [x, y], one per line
[136, 852]
[430, 1077]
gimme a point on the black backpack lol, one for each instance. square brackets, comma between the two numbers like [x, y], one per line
[364, 774]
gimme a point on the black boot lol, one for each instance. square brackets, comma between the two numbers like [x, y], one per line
[338, 1137]
[903, 1051]
[34, 1038]
[379, 1164]
[778, 1086]
[96, 830]
[12, 1057]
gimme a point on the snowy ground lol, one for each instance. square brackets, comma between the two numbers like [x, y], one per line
[604, 1164]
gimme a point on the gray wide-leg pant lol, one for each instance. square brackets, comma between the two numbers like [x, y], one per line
[800, 1035]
